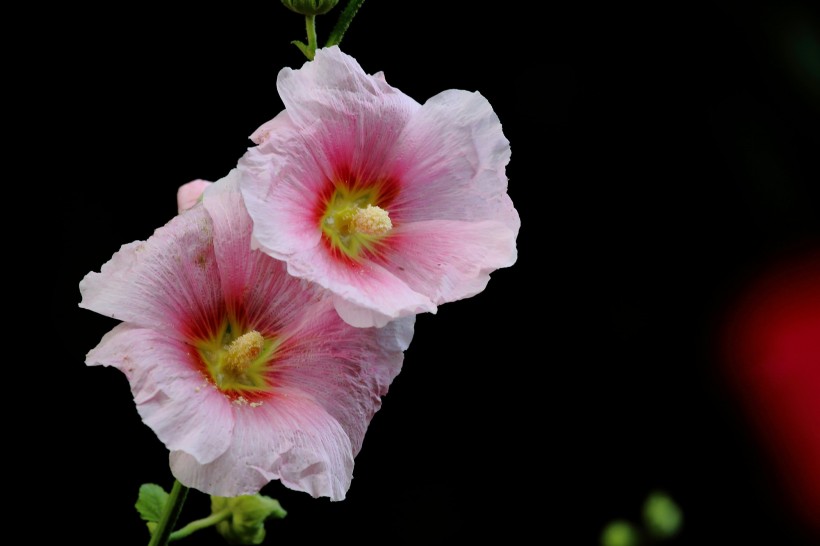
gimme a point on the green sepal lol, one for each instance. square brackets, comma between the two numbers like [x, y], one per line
[310, 7]
[246, 524]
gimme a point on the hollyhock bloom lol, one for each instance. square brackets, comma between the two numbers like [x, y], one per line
[245, 373]
[394, 206]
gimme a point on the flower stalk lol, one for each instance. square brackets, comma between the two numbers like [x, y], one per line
[170, 514]
[200, 524]
[310, 23]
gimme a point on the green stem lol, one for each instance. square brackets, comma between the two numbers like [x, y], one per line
[310, 22]
[203, 523]
[345, 18]
[170, 513]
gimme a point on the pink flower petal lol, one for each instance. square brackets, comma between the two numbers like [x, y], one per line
[162, 283]
[367, 285]
[270, 129]
[172, 396]
[452, 158]
[450, 260]
[188, 194]
[291, 205]
[349, 117]
[293, 440]
[345, 370]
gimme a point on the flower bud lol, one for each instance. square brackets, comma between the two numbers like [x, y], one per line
[620, 533]
[310, 7]
[661, 515]
[246, 524]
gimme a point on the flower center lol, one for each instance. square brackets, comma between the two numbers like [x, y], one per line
[366, 221]
[353, 223]
[241, 353]
[239, 364]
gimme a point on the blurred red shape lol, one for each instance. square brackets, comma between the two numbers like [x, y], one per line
[773, 352]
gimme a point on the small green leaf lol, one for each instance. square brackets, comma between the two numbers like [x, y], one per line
[345, 18]
[151, 502]
[303, 48]
[662, 516]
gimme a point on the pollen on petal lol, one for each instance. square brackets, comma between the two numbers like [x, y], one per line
[372, 221]
[242, 351]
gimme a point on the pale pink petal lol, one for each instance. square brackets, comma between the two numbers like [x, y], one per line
[451, 158]
[188, 194]
[450, 260]
[253, 285]
[172, 396]
[367, 285]
[290, 438]
[359, 316]
[169, 283]
[285, 213]
[270, 129]
[345, 370]
[353, 118]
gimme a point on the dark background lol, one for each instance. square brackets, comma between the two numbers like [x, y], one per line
[662, 156]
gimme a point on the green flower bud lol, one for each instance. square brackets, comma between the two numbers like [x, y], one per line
[619, 533]
[246, 524]
[310, 7]
[662, 516]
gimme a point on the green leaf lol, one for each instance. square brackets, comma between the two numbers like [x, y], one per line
[303, 48]
[345, 18]
[151, 502]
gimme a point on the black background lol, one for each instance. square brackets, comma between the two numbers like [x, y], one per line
[662, 156]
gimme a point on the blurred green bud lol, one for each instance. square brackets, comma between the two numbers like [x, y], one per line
[663, 518]
[620, 533]
[310, 7]
[246, 524]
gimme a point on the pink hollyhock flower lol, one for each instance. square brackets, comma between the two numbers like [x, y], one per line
[245, 373]
[394, 206]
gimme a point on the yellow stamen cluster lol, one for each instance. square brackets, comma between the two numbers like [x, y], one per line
[353, 223]
[242, 352]
[372, 221]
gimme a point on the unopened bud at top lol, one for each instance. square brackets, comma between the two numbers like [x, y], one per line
[310, 7]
